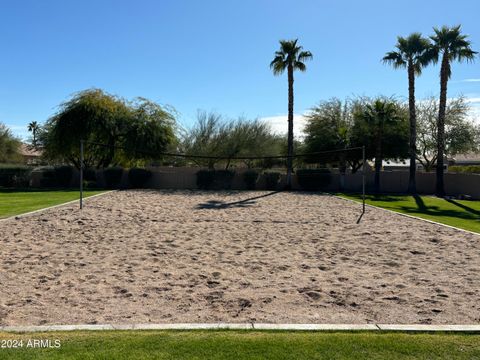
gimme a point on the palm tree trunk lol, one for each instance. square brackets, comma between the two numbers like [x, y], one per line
[440, 187]
[412, 184]
[290, 128]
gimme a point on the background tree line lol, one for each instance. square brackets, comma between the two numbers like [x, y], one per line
[138, 132]
[414, 53]
[382, 126]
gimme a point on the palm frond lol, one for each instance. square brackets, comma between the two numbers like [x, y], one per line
[465, 54]
[299, 66]
[430, 55]
[413, 49]
[278, 65]
[289, 54]
[278, 68]
[395, 59]
[452, 43]
[305, 56]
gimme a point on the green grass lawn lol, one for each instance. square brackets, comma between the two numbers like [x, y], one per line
[19, 202]
[246, 345]
[459, 213]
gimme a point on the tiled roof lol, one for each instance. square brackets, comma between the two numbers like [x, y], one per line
[28, 150]
[468, 157]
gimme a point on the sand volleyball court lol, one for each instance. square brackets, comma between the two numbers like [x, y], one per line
[189, 256]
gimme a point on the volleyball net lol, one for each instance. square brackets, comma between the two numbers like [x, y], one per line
[348, 159]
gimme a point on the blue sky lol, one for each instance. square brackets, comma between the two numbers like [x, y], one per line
[214, 55]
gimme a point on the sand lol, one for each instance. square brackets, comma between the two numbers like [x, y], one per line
[185, 256]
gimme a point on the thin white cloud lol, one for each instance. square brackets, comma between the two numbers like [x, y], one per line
[279, 124]
[470, 80]
[17, 127]
[20, 131]
[473, 100]
[475, 114]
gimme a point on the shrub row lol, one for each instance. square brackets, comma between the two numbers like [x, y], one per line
[222, 179]
[18, 176]
[61, 176]
[137, 177]
[215, 179]
[14, 175]
[250, 177]
[113, 177]
[308, 179]
[58, 176]
[467, 169]
[314, 179]
[271, 180]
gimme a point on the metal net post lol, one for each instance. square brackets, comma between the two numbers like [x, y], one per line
[81, 174]
[363, 179]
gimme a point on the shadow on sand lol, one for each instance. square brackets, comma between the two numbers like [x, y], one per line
[217, 205]
[360, 217]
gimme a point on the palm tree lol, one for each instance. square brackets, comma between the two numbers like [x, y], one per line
[452, 45]
[378, 116]
[413, 53]
[33, 127]
[290, 57]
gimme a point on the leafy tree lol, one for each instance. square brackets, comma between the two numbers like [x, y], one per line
[452, 45]
[34, 128]
[149, 131]
[328, 125]
[126, 132]
[205, 138]
[381, 125]
[91, 115]
[290, 57]
[328, 128]
[215, 136]
[246, 138]
[9, 146]
[413, 53]
[461, 134]
[335, 125]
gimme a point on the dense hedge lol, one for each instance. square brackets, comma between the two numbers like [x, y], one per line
[48, 178]
[14, 175]
[113, 177]
[314, 179]
[469, 169]
[90, 174]
[250, 177]
[89, 184]
[215, 179]
[271, 180]
[63, 175]
[138, 177]
[55, 176]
